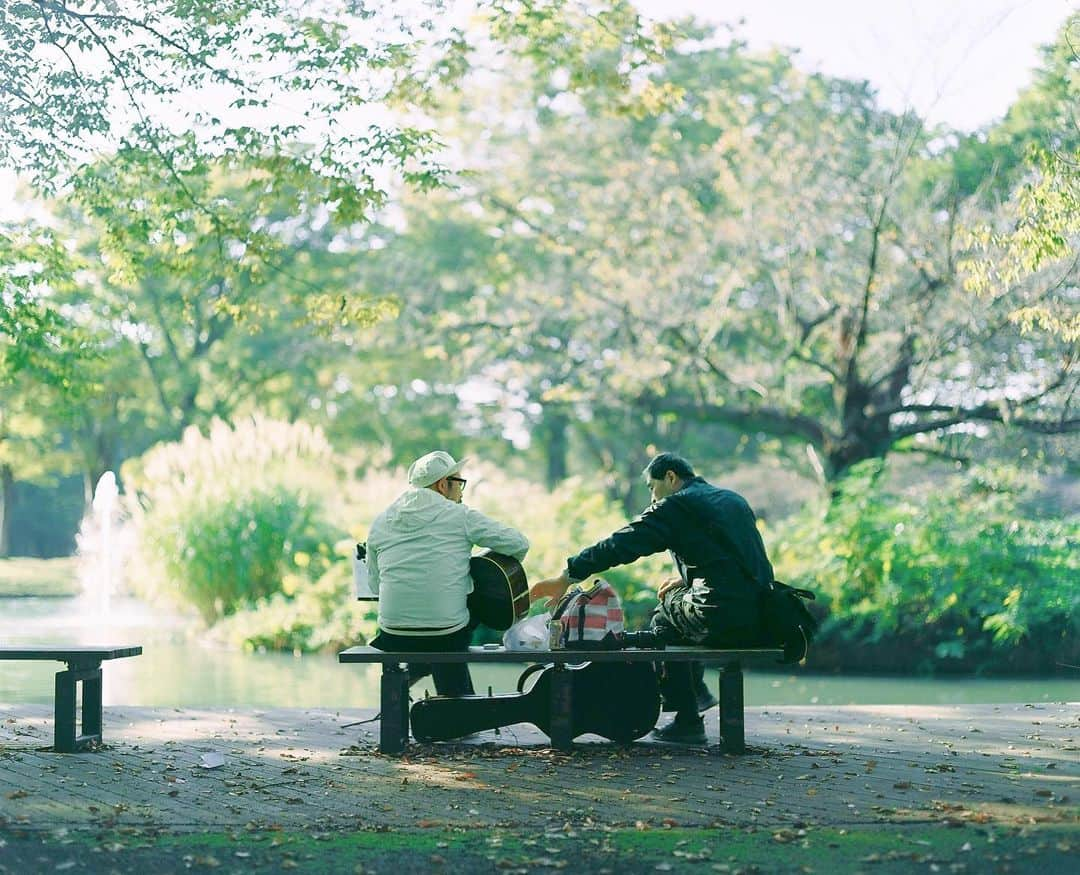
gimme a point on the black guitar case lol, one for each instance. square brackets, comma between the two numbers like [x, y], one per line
[617, 700]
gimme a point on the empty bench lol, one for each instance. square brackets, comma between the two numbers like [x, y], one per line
[83, 667]
[394, 686]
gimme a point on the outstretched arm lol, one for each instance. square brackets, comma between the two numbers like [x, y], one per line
[550, 589]
[648, 533]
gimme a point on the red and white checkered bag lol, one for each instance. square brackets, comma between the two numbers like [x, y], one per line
[587, 615]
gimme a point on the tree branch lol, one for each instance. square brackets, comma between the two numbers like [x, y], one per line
[777, 421]
[712, 367]
[871, 274]
[988, 413]
[809, 360]
[806, 326]
[163, 38]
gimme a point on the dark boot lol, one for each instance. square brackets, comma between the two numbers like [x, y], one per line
[684, 728]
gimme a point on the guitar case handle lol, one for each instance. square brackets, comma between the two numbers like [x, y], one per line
[529, 672]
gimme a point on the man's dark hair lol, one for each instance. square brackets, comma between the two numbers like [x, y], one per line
[660, 465]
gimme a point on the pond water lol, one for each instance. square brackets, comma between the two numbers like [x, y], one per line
[179, 669]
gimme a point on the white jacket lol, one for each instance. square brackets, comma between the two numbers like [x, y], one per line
[418, 552]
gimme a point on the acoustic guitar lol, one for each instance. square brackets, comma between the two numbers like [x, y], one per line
[500, 595]
[619, 701]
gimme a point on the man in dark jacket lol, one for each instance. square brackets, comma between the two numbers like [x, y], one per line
[715, 600]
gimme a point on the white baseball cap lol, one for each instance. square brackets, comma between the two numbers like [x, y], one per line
[433, 467]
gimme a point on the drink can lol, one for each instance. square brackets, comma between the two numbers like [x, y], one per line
[554, 635]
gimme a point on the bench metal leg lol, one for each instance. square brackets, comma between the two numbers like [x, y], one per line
[65, 739]
[732, 730]
[394, 699]
[562, 709]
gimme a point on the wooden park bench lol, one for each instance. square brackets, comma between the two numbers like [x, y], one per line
[83, 666]
[394, 687]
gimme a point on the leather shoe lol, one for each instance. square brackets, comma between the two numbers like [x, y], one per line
[680, 731]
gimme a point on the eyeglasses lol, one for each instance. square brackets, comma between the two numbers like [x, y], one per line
[460, 480]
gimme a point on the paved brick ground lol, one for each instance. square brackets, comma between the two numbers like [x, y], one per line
[300, 768]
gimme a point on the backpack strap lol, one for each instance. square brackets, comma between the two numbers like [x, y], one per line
[582, 605]
[801, 593]
[564, 602]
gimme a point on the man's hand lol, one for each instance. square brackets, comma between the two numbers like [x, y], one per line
[549, 590]
[667, 584]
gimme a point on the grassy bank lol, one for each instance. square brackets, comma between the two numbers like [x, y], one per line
[48, 578]
[892, 848]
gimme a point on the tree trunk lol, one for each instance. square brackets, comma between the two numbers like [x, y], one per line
[7, 501]
[554, 436]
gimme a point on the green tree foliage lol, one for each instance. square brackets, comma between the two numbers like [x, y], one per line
[772, 253]
[225, 519]
[264, 74]
[217, 153]
[297, 91]
[969, 575]
[48, 365]
[36, 337]
[1030, 252]
[192, 326]
[1034, 261]
[172, 89]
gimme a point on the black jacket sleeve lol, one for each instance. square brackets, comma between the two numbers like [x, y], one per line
[644, 535]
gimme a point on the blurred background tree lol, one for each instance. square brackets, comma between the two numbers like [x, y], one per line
[557, 239]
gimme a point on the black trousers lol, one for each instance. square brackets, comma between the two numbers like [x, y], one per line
[674, 623]
[451, 679]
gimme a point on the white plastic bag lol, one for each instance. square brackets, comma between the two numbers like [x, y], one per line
[530, 633]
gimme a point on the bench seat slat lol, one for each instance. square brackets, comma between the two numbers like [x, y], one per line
[477, 654]
[66, 653]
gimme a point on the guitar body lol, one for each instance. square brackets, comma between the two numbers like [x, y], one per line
[500, 595]
[619, 701]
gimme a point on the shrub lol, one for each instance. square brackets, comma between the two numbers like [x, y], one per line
[221, 520]
[955, 575]
[317, 616]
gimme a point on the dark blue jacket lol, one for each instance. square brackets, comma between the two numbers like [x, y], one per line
[711, 534]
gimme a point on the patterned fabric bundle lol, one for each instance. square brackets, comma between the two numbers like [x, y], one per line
[587, 615]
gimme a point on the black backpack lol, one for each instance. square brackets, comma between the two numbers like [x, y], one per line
[788, 623]
[786, 620]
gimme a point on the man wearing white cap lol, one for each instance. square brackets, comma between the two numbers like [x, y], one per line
[418, 552]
